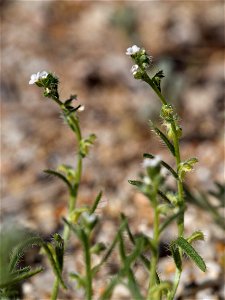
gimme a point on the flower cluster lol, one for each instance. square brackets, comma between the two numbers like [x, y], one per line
[141, 59]
[48, 81]
[37, 77]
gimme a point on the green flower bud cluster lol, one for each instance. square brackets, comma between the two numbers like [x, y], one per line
[85, 144]
[170, 119]
[186, 166]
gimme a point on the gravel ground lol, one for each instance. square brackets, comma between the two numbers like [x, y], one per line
[84, 43]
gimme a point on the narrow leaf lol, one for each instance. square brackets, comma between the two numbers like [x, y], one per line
[164, 197]
[97, 200]
[136, 183]
[54, 265]
[157, 79]
[144, 259]
[59, 250]
[169, 220]
[18, 251]
[196, 236]
[191, 252]
[21, 277]
[106, 295]
[96, 268]
[132, 239]
[60, 176]
[176, 256]
[163, 138]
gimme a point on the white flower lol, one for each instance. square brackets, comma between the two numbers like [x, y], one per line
[147, 180]
[81, 108]
[151, 163]
[134, 69]
[35, 77]
[89, 218]
[132, 50]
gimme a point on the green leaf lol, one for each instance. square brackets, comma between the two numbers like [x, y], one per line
[109, 289]
[176, 256]
[196, 236]
[21, 277]
[96, 268]
[157, 79]
[136, 183]
[169, 220]
[144, 259]
[70, 100]
[59, 249]
[21, 271]
[95, 205]
[18, 251]
[191, 252]
[60, 176]
[54, 265]
[163, 196]
[163, 138]
[127, 261]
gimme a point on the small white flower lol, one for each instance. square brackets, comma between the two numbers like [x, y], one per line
[132, 50]
[151, 163]
[81, 108]
[43, 74]
[164, 172]
[35, 77]
[147, 180]
[88, 218]
[134, 69]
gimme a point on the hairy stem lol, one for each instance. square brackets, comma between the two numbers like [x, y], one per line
[180, 189]
[74, 125]
[180, 220]
[55, 289]
[155, 254]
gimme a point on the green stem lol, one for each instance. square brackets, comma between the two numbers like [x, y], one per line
[180, 189]
[155, 254]
[148, 80]
[86, 245]
[180, 220]
[55, 290]
[73, 195]
[74, 124]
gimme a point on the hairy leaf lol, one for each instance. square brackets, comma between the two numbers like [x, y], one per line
[60, 176]
[95, 205]
[176, 256]
[21, 277]
[191, 252]
[196, 236]
[163, 138]
[157, 79]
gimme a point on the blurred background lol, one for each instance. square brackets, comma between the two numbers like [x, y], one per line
[84, 44]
